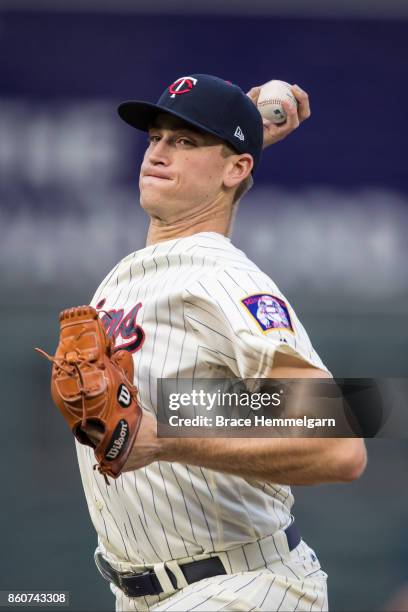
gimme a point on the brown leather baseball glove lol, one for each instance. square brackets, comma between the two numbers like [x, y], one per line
[92, 385]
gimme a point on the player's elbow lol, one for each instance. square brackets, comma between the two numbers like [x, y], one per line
[352, 461]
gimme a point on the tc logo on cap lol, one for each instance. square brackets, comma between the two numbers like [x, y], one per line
[182, 85]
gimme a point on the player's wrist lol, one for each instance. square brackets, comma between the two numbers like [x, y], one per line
[169, 449]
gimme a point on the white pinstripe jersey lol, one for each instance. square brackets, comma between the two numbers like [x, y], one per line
[178, 306]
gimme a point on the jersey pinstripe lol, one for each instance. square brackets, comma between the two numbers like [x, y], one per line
[177, 305]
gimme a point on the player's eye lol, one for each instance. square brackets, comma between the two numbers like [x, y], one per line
[185, 142]
[152, 138]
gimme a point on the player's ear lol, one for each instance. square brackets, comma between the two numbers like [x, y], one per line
[237, 169]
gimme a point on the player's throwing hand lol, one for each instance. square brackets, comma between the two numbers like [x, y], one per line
[275, 132]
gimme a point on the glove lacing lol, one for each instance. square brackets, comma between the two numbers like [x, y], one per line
[61, 364]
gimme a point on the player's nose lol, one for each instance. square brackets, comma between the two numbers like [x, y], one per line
[159, 153]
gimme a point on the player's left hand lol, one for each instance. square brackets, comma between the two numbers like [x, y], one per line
[146, 447]
[275, 132]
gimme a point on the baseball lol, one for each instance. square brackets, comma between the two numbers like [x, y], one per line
[270, 100]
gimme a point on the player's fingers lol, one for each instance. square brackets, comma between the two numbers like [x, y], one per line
[253, 93]
[292, 119]
[302, 97]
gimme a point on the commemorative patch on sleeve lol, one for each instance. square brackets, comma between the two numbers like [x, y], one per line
[269, 312]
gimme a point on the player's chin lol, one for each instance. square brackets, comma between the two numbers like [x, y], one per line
[152, 192]
[153, 202]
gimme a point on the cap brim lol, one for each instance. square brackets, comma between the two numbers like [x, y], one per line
[138, 114]
[141, 115]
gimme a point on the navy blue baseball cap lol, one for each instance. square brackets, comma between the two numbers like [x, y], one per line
[208, 103]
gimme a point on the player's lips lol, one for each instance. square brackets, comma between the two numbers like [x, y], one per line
[157, 175]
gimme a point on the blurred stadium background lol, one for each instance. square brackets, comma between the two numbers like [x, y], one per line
[327, 219]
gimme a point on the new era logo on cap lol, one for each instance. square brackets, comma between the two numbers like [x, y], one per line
[239, 133]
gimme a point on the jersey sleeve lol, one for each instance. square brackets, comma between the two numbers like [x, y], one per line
[241, 320]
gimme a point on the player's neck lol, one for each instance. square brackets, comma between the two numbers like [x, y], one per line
[219, 221]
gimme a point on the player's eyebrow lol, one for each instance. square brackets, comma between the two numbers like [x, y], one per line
[183, 128]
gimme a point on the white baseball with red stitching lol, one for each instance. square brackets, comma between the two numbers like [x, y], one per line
[270, 100]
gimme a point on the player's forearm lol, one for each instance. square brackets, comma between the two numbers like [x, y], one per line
[298, 461]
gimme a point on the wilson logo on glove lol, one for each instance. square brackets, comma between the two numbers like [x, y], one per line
[92, 385]
[124, 397]
[120, 436]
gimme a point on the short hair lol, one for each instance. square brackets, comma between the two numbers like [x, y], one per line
[246, 184]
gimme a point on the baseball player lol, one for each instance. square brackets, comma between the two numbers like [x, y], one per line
[194, 523]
